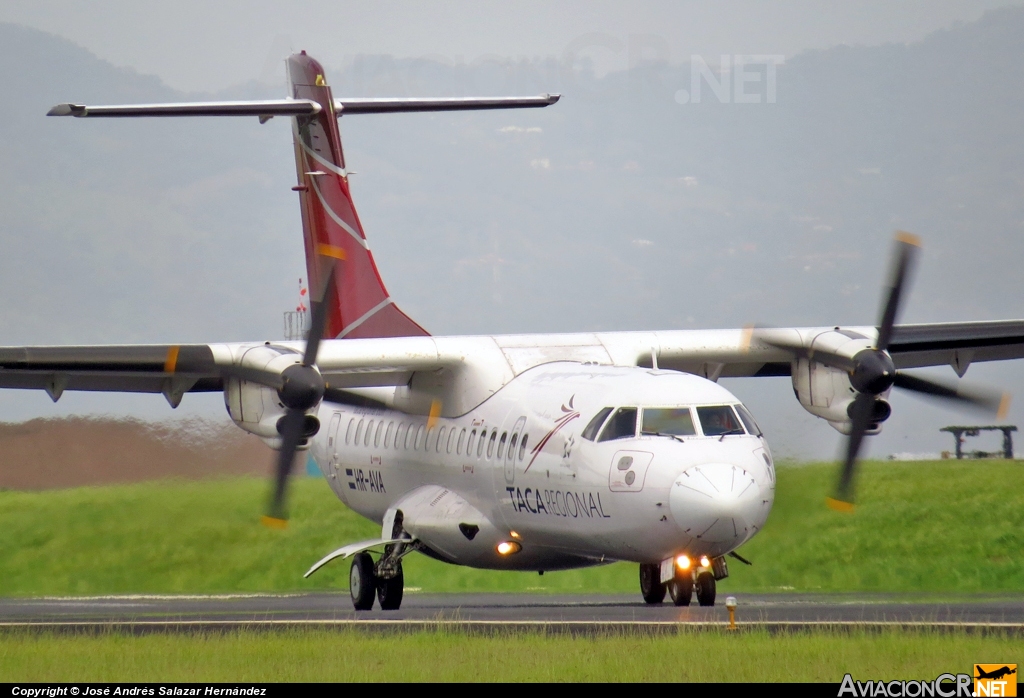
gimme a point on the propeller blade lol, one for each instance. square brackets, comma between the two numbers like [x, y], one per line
[990, 400]
[907, 247]
[338, 396]
[318, 321]
[860, 414]
[291, 436]
[843, 363]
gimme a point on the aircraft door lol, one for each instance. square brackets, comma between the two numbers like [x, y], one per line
[510, 450]
[332, 446]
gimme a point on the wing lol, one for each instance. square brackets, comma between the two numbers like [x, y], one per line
[176, 369]
[717, 353]
[956, 343]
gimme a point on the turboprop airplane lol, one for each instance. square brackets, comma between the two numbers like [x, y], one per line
[514, 452]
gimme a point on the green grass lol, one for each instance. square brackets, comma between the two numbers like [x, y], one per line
[449, 656]
[942, 527]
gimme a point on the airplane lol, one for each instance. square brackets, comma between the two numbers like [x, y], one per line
[995, 673]
[534, 452]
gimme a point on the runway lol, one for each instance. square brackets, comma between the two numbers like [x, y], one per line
[143, 613]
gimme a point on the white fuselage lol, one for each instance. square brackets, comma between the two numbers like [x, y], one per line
[570, 501]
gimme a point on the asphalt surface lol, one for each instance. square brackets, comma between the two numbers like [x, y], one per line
[531, 610]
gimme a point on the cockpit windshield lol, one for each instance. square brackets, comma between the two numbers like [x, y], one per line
[667, 421]
[622, 425]
[718, 420]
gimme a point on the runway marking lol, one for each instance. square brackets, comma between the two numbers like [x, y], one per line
[161, 597]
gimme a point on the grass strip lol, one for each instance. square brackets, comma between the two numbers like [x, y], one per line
[941, 527]
[443, 655]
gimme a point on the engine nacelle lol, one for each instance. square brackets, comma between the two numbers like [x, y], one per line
[826, 392]
[256, 408]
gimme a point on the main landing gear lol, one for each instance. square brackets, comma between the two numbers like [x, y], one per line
[383, 580]
[688, 579]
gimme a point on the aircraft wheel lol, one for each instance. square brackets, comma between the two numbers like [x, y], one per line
[706, 589]
[651, 587]
[681, 589]
[362, 583]
[389, 591]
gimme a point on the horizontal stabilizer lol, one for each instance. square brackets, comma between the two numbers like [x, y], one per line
[384, 106]
[266, 107]
[302, 107]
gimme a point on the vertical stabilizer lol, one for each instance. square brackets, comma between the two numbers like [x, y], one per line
[360, 305]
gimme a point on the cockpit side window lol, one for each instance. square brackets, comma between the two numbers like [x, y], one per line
[667, 421]
[590, 433]
[748, 420]
[622, 425]
[718, 420]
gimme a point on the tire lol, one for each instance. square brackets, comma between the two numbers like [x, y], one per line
[706, 589]
[651, 587]
[389, 591]
[362, 583]
[681, 589]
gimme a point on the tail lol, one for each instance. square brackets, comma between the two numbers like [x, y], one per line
[333, 235]
[360, 305]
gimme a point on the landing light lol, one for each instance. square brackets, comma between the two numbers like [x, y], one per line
[513, 534]
[704, 561]
[683, 562]
[506, 547]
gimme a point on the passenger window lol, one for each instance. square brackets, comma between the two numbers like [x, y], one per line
[419, 435]
[440, 440]
[522, 446]
[348, 432]
[403, 430]
[668, 421]
[387, 435]
[369, 433]
[748, 421]
[512, 447]
[462, 437]
[501, 444]
[469, 444]
[718, 420]
[376, 436]
[359, 432]
[480, 446]
[590, 433]
[622, 425]
[451, 440]
[490, 444]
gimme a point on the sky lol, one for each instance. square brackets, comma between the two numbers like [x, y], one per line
[831, 252]
[245, 40]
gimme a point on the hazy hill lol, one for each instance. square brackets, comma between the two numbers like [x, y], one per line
[618, 208]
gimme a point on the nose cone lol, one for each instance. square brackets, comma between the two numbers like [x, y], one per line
[718, 505]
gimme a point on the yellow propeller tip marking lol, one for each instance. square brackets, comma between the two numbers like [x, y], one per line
[274, 522]
[171, 362]
[1004, 407]
[330, 251]
[435, 412]
[320, 81]
[909, 238]
[839, 505]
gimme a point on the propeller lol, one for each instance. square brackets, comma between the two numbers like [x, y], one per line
[301, 388]
[872, 372]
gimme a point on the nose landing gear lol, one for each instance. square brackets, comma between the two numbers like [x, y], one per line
[682, 579]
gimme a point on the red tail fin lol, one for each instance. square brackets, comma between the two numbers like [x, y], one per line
[360, 306]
